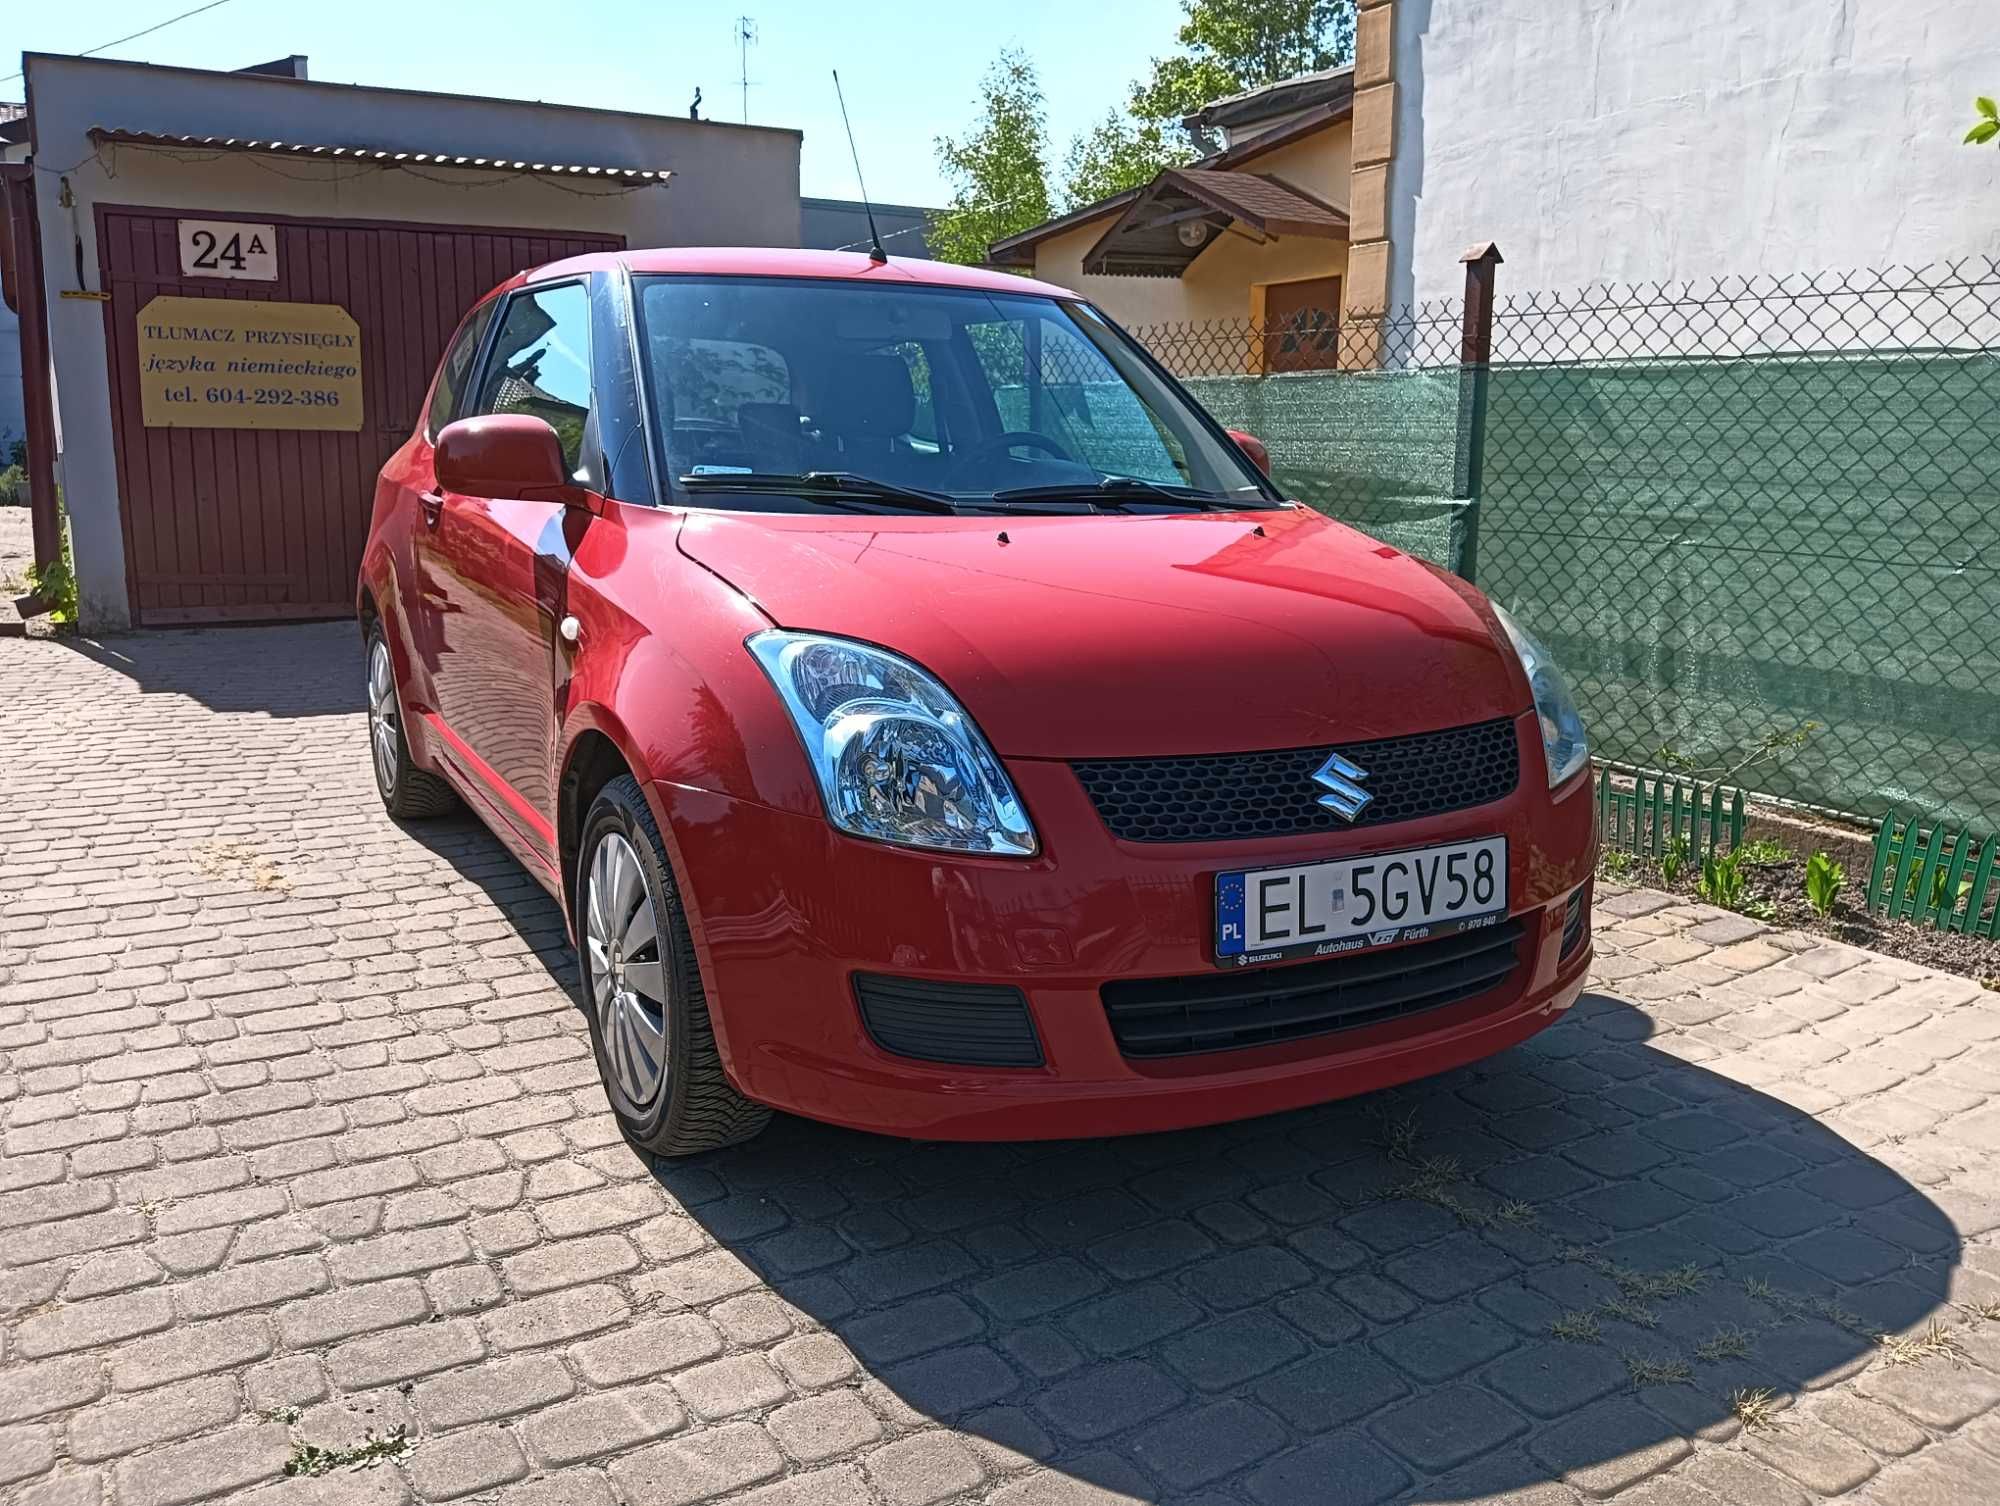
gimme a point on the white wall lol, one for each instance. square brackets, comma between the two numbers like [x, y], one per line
[1640, 141]
[731, 185]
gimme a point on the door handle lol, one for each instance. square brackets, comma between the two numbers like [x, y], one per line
[433, 507]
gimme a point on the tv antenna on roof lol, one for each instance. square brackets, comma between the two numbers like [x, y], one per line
[746, 37]
[875, 251]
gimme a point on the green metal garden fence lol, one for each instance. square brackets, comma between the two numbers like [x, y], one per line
[1730, 511]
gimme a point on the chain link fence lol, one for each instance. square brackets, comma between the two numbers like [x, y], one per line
[1729, 510]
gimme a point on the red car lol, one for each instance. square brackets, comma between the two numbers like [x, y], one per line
[931, 721]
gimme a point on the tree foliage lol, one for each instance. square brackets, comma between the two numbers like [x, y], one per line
[999, 181]
[1987, 126]
[1227, 46]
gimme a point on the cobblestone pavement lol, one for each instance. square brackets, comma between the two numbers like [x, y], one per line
[300, 1140]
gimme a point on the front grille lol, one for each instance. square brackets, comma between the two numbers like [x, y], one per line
[1232, 796]
[1153, 1017]
[965, 1024]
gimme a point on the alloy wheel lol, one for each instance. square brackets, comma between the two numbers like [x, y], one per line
[628, 982]
[384, 715]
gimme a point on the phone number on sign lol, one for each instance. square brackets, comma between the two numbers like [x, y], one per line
[276, 397]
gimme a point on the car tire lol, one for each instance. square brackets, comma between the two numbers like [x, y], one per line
[408, 793]
[648, 1010]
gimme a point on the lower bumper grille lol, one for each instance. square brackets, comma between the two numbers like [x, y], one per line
[963, 1024]
[1154, 1017]
[1574, 920]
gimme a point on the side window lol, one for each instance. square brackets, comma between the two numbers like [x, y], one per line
[457, 366]
[540, 363]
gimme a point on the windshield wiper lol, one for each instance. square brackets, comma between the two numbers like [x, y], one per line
[1111, 491]
[848, 483]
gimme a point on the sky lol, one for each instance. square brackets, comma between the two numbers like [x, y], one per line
[911, 69]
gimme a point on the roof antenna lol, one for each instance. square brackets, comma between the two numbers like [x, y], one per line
[875, 251]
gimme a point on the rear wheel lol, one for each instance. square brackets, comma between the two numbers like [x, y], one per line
[406, 790]
[648, 1011]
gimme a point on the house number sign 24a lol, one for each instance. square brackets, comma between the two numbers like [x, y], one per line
[229, 248]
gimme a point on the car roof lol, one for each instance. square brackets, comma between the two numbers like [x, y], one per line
[777, 261]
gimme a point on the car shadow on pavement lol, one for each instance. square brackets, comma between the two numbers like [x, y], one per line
[1561, 1262]
[311, 669]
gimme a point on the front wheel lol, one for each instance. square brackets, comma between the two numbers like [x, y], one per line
[407, 792]
[648, 1011]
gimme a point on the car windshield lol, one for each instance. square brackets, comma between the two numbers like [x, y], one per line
[795, 392]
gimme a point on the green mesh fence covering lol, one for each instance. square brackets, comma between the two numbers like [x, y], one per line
[1718, 543]
[1374, 449]
[1717, 550]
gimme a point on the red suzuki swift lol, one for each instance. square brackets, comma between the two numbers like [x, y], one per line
[932, 722]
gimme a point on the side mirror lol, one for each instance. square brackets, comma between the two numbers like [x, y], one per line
[1252, 446]
[507, 455]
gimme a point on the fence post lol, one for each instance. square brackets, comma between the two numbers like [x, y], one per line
[1475, 351]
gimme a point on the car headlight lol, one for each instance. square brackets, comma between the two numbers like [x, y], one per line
[1563, 739]
[897, 758]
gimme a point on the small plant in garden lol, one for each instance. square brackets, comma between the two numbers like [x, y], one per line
[1674, 860]
[1721, 881]
[1616, 862]
[1763, 852]
[1824, 878]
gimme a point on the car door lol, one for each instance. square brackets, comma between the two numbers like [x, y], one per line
[498, 567]
[413, 471]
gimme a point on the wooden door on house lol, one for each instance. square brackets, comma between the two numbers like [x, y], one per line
[1302, 325]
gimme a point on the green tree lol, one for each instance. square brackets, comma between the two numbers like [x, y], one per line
[1227, 46]
[1987, 126]
[1233, 45]
[1116, 154]
[999, 181]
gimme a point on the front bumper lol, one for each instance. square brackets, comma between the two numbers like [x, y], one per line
[786, 911]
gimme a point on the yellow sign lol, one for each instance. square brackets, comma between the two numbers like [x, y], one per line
[224, 363]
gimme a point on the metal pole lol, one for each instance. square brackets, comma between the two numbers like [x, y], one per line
[1475, 353]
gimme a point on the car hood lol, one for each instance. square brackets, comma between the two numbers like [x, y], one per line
[1109, 635]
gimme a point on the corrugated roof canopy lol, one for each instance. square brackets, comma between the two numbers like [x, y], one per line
[1151, 238]
[327, 151]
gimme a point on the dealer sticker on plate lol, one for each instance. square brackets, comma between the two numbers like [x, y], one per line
[1350, 904]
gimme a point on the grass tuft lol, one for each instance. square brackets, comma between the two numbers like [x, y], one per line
[1755, 1407]
[1651, 1370]
[1726, 1343]
[1577, 1328]
[1936, 1341]
[311, 1459]
[1625, 1310]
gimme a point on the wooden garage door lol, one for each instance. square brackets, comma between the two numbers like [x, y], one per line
[233, 525]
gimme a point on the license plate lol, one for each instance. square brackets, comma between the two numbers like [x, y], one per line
[1351, 904]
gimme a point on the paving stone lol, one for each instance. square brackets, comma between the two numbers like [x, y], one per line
[1106, 1399]
[498, 1388]
[1816, 1456]
[1345, 1469]
[1447, 1426]
[113, 1429]
[697, 1467]
[1221, 1356]
[1444, 1343]
[922, 1469]
[1199, 1447]
[462, 1463]
[725, 1387]
[605, 1422]
[824, 1427]
[1608, 1447]
[1332, 1388]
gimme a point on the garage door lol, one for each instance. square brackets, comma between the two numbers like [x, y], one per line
[236, 524]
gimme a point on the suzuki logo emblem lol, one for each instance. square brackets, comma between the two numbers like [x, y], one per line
[1341, 781]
